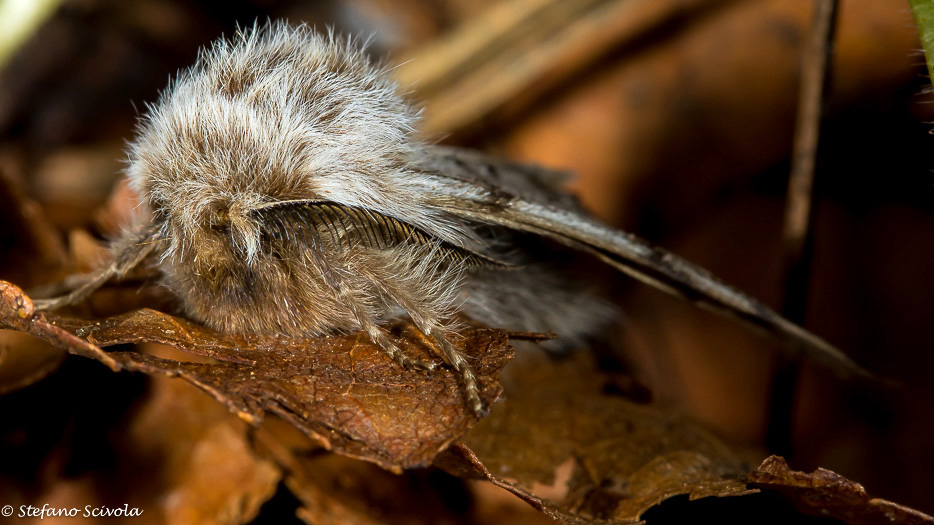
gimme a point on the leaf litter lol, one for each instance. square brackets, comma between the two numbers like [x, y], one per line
[342, 391]
[562, 439]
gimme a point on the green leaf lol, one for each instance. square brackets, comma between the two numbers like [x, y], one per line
[923, 11]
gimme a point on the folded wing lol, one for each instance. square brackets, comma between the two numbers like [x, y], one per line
[472, 189]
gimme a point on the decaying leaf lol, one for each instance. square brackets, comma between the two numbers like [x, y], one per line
[317, 506]
[23, 360]
[826, 493]
[594, 453]
[203, 467]
[30, 250]
[336, 490]
[343, 391]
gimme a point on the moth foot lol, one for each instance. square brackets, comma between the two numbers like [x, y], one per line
[474, 402]
[409, 363]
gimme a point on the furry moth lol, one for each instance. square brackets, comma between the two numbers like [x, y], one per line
[288, 194]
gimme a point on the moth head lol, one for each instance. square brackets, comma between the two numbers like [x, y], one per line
[275, 113]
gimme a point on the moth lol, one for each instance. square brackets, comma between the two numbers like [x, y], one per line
[285, 191]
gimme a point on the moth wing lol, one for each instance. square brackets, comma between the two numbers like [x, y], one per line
[528, 182]
[492, 194]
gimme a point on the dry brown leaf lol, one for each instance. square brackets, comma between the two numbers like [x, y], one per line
[202, 464]
[338, 490]
[342, 391]
[23, 360]
[317, 506]
[30, 250]
[172, 453]
[826, 493]
[578, 453]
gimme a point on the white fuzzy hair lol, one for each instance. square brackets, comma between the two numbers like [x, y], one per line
[281, 113]
[284, 118]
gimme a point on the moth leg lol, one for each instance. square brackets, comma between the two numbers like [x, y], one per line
[449, 354]
[456, 360]
[428, 324]
[125, 259]
[367, 323]
[378, 336]
[89, 283]
[432, 329]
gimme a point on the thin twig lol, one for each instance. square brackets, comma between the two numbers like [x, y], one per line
[516, 52]
[19, 21]
[799, 211]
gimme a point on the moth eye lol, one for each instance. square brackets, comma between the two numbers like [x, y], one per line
[159, 208]
[220, 218]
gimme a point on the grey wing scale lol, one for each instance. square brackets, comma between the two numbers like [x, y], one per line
[633, 256]
[315, 221]
[532, 183]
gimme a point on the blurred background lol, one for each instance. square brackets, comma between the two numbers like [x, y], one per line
[675, 117]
